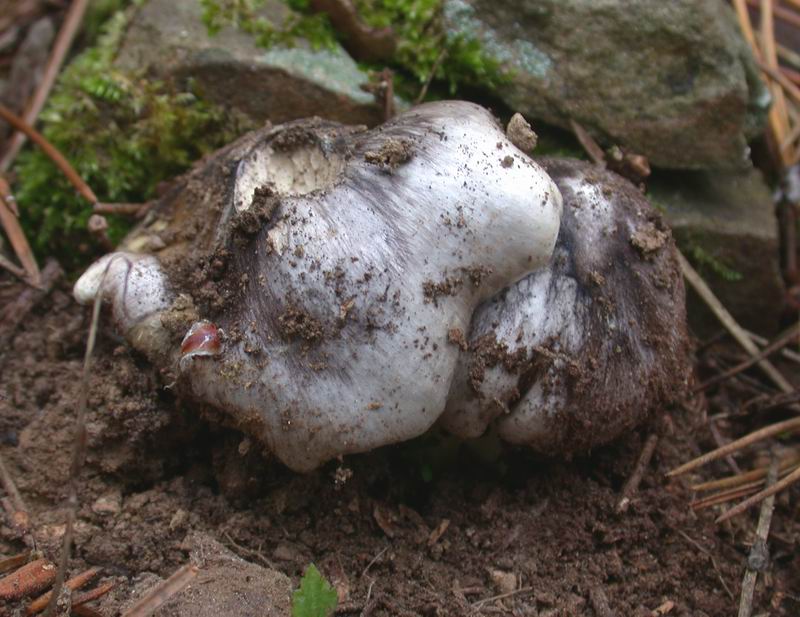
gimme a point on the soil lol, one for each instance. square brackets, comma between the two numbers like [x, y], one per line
[392, 154]
[433, 527]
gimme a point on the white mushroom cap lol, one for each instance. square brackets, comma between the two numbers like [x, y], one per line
[353, 256]
[135, 286]
[353, 289]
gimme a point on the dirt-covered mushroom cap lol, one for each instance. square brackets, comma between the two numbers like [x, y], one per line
[327, 267]
[574, 354]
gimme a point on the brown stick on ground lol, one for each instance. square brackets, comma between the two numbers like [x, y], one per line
[727, 320]
[93, 594]
[791, 89]
[759, 473]
[13, 229]
[28, 580]
[777, 345]
[721, 441]
[51, 151]
[632, 485]
[13, 268]
[63, 42]
[424, 91]
[78, 456]
[786, 353]
[163, 591]
[363, 42]
[76, 582]
[10, 563]
[124, 209]
[588, 143]
[768, 431]
[759, 553]
[758, 497]
[14, 313]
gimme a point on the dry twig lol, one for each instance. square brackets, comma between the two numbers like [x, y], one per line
[78, 454]
[163, 591]
[10, 223]
[769, 57]
[51, 151]
[759, 553]
[122, 209]
[431, 75]
[12, 267]
[759, 497]
[63, 42]
[76, 582]
[93, 594]
[588, 143]
[28, 580]
[740, 479]
[721, 441]
[754, 437]
[635, 479]
[727, 320]
[770, 349]
[11, 563]
[366, 44]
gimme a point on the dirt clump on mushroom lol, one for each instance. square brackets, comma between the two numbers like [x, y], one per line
[392, 153]
[265, 201]
[488, 352]
[648, 239]
[298, 323]
[456, 337]
[450, 286]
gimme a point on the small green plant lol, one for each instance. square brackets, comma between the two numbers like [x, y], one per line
[422, 44]
[315, 597]
[123, 134]
[244, 15]
[705, 259]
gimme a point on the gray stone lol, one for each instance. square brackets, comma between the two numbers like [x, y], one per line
[673, 81]
[725, 224]
[168, 39]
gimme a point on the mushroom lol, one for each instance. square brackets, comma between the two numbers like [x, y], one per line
[306, 280]
[575, 353]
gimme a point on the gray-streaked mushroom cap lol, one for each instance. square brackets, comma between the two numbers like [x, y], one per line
[576, 353]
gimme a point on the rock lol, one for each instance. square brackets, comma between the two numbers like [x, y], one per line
[725, 224]
[673, 81]
[169, 39]
[224, 585]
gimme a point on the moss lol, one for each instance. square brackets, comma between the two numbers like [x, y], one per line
[422, 42]
[123, 133]
[243, 15]
[708, 262]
